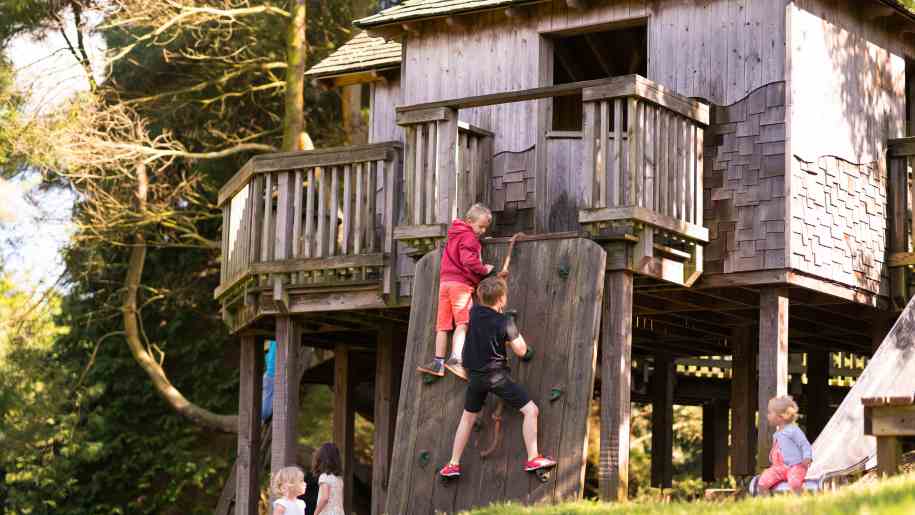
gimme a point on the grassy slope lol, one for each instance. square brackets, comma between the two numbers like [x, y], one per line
[891, 497]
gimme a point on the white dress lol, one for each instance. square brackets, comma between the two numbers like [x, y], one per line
[334, 504]
[296, 507]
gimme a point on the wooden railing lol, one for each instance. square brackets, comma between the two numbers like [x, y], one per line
[901, 214]
[445, 171]
[310, 217]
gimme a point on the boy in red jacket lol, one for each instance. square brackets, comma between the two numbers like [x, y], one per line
[461, 270]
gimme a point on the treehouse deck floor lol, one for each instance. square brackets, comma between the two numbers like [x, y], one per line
[556, 287]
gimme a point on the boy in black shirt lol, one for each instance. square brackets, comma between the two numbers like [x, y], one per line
[486, 360]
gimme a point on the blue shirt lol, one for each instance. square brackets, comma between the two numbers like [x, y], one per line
[793, 444]
[270, 368]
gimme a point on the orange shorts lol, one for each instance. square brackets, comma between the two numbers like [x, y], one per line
[454, 301]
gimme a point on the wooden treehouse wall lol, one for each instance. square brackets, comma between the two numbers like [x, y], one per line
[556, 286]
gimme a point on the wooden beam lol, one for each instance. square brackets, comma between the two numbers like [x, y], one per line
[743, 402]
[870, 11]
[515, 13]
[386, 388]
[638, 86]
[773, 361]
[285, 395]
[577, 4]
[344, 419]
[817, 392]
[888, 454]
[715, 440]
[901, 147]
[247, 486]
[690, 231]
[662, 421]
[616, 383]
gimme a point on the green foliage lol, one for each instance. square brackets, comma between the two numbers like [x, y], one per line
[891, 497]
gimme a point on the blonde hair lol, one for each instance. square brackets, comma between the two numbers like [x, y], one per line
[785, 407]
[284, 478]
[476, 212]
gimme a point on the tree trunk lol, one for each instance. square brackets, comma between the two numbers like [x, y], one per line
[294, 135]
[164, 387]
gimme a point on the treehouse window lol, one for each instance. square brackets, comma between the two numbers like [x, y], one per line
[594, 55]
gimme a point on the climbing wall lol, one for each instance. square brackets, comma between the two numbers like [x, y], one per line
[556, 287]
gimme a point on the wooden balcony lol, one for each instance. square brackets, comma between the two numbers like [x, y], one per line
[309, 219]
[900, 188]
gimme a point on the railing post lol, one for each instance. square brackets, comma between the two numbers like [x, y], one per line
[898, 210]
[588, 133]
[446, 167]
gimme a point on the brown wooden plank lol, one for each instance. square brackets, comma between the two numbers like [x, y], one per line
[309, 242]
[637, 86]
[225, 265]
[630, 188]
[890, 420]
[698, 217]
[901, 147]
[328, 157]
[317, 264]
[420, 173]
[447, 168]
[321, 233]
[247, 466]
[385, 414]
[347, 209]
[414, 116]
[602, 165]
[431, 174]
[690, 189]
[236, 183]
[773, 361]
[590, 127]
[402, 232]
[888, 455]
[285, 395]
[333, 211]
[267, 241]
[616, 366]
[390, 209]
[358, 226]
[297, 215]
[616, 165]
[662, 421]
[344, 418]
[372, 193]
[409, 176]
[743, 402]
[664, 222]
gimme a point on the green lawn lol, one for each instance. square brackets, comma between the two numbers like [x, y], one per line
[891, 497]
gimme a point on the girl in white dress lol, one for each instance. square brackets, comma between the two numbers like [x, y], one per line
[288, 483]
[326, 465]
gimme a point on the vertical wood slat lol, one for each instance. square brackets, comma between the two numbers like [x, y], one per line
[257, 202]
[460, 185]
[663, 151]
[224, 270]
[477, 184]
[649, 157]
[631, 191]
[389, 217]
[321, 234]
[616, 171]
[445, 202]
[421, 176]
[360, 207]
[698, 217]
[409, 177]
[297, 217]
[684, 166]
[433, 173]
[690, 172]
[333, 211]
[640, 130]
[309, 243]
[370, 205]
[603, 127]
[672, 144]
[347, 209]
[589, 157]
[266, 233]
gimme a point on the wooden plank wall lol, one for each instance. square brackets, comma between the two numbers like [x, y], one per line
[846, 97]
[559, 314]
[720, 51]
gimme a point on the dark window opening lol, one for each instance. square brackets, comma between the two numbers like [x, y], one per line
[595, 55]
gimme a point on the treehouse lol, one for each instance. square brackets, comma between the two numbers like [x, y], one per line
[716, 200]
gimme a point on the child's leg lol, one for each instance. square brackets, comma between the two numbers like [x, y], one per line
[441, 344]
[771, 477]
[529, 429]
[796, 476]
[462, 435]
[461, 302]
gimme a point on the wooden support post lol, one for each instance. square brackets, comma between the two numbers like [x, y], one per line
[817, 392]
[888, 453]
[616, 369]
[285, 395]
[715, 440]
[773, 362]
[247, 486]
[386, 388]
[344, 419]
[743, 402]
[662, 421]
[897, 208]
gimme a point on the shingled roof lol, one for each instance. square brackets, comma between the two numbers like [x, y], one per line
[362, 53]
[415, 9]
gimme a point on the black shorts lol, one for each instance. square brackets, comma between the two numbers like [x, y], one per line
[498, 382]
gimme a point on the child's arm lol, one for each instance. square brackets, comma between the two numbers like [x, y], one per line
[514, 338]
[470, 258]
[801, 440]
[279, 509]
[323, 497]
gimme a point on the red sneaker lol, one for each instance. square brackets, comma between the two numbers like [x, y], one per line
[450, 470]
[538, 463]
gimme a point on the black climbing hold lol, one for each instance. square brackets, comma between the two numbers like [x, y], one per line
[528, 354]
[564, 270]
[555, 393]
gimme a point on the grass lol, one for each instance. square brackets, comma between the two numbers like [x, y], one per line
[894, 496]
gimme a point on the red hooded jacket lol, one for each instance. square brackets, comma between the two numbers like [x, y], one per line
[461, 261]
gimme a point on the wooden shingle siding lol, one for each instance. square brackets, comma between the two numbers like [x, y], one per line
[362, 53]
[744, 194]
[838, 222]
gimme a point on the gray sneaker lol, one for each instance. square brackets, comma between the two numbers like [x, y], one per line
[456, 367]
[433, 368]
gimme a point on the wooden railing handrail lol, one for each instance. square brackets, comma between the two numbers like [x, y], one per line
[901, 147]
[334, 156]
[635, 84]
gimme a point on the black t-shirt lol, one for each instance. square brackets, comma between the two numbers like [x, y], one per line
[487, 333]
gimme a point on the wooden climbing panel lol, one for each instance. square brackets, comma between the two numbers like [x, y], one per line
[556, 287]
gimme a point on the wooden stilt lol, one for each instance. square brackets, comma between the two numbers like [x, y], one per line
[247, 486]
[662, 421]
[743, 402]
[386, 387]
[715, 418]
[817, 392]
[285, 395]
[616, 366]
[773, 362]
[344, 419]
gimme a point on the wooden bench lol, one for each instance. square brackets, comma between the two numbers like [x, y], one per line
[888, 418]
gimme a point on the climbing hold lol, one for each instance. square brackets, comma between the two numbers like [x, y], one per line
[423, 458]
[564, 270]
[555, 393]
[429, 379]
[528, 354]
